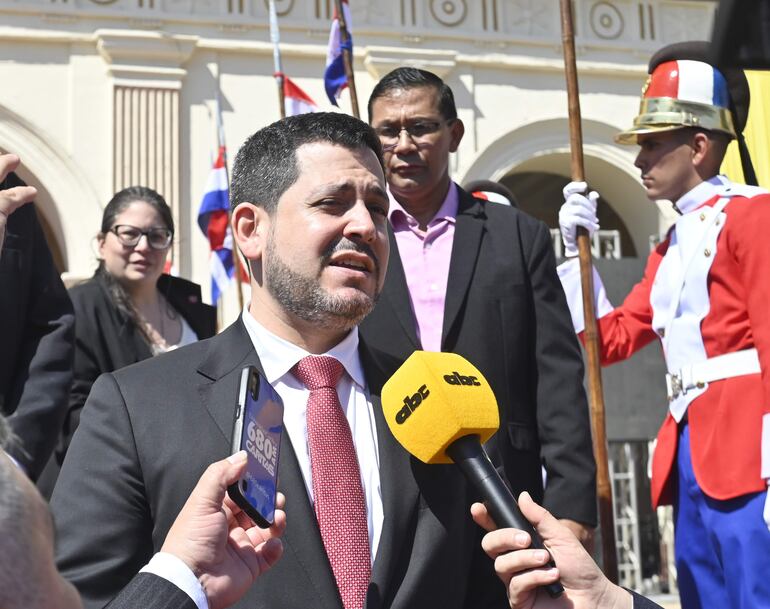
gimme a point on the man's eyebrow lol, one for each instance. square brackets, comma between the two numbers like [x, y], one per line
[408, 120]
[339, 187]
[378, 190]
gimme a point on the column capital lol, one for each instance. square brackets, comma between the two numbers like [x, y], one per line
[381, 60]
[137, 58]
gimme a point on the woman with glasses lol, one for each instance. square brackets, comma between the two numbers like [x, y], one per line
[130, 310]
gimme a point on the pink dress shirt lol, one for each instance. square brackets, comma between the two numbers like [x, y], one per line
[425, 257]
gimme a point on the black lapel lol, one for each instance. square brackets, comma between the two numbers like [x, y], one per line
[465, 248]
[396, 293]
[398, 487]
[220, 372]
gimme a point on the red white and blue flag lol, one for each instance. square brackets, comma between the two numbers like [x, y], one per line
[334, 76]
[295, 100]
[214, 221]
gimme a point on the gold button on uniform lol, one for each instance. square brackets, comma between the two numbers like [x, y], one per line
[702, 216]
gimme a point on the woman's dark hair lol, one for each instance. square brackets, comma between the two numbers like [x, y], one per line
[122, 199]
[118, 204]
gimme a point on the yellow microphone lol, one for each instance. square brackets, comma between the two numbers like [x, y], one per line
[441, 409]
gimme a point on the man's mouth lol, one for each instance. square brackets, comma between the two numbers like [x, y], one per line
[358, 262]
[407, 169]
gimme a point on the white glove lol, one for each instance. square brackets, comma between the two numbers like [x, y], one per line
[578, 210]
[766, 512]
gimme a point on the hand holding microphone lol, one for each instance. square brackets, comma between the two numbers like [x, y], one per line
[524, 571]
[441, 409]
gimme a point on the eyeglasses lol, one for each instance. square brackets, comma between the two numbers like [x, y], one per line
[158, 238]
[420, 132]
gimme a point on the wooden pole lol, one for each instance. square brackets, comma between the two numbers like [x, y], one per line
[591, 334]
[347, 58]
[275, 38]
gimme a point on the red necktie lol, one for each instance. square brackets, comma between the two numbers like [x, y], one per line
[339, 497]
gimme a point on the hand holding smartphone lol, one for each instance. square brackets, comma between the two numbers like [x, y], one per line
[257, 430]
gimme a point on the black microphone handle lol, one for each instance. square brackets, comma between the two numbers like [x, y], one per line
[470, 456]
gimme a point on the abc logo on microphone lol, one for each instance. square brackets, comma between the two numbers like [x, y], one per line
[433, 399]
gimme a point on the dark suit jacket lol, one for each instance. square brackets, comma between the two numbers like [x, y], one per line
[148, 591]
[36, 339]
[642, 602]
[107, 340]
[506, 313]
[148, 432]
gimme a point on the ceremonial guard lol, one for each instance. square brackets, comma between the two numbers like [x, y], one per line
[705, 295]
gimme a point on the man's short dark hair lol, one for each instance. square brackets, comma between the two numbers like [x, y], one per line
[413, 78]
[266, 165]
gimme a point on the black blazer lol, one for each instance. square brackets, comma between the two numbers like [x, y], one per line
[36, 339]
[107, 340]
[148, 591]
[149, 431]
[506, 313]
[642, 602]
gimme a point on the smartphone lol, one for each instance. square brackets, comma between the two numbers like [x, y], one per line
[257, 430]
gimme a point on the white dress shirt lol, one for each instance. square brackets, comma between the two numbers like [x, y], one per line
[278, 357]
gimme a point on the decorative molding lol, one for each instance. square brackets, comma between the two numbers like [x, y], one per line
[133, 56]
[450, 13]
[606, 21]
[625, 24]
[378, 61]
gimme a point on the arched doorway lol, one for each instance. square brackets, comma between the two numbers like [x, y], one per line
[534, 163]
[67, 205]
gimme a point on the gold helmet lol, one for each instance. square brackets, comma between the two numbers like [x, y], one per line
[685, 90]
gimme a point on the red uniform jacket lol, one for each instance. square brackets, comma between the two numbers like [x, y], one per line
[726, 418]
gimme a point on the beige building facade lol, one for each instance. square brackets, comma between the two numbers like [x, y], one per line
[97, 95]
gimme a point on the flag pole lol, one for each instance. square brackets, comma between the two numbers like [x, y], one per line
[223, 152]
[347, 58]
[591, 335]
[275, 38]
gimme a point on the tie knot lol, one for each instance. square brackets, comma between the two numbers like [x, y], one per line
[317, 371]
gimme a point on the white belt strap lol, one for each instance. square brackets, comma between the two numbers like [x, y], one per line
[713, 369]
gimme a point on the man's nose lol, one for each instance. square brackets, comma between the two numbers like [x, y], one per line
[404, 141]
[360, 223]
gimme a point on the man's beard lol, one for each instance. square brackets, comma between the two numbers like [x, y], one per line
[304, 297]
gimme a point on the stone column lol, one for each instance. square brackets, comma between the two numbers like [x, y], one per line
[147, 75]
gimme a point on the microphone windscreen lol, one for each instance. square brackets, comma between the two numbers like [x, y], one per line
[435, 398]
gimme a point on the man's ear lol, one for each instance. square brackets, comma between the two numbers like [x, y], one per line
[456, 130]
[250, 224]
[701, 148]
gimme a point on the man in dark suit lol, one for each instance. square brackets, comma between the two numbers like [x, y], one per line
[310, 216]
[479, 279]
[211, 556]
[36, 326]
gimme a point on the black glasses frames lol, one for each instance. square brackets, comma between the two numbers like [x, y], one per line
[157, 237]
[419, 131]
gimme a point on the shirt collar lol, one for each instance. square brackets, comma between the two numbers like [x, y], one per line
[278, 356]
[400, 218]
[701, 193]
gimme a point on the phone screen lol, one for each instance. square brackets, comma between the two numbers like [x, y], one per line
[261, 424]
